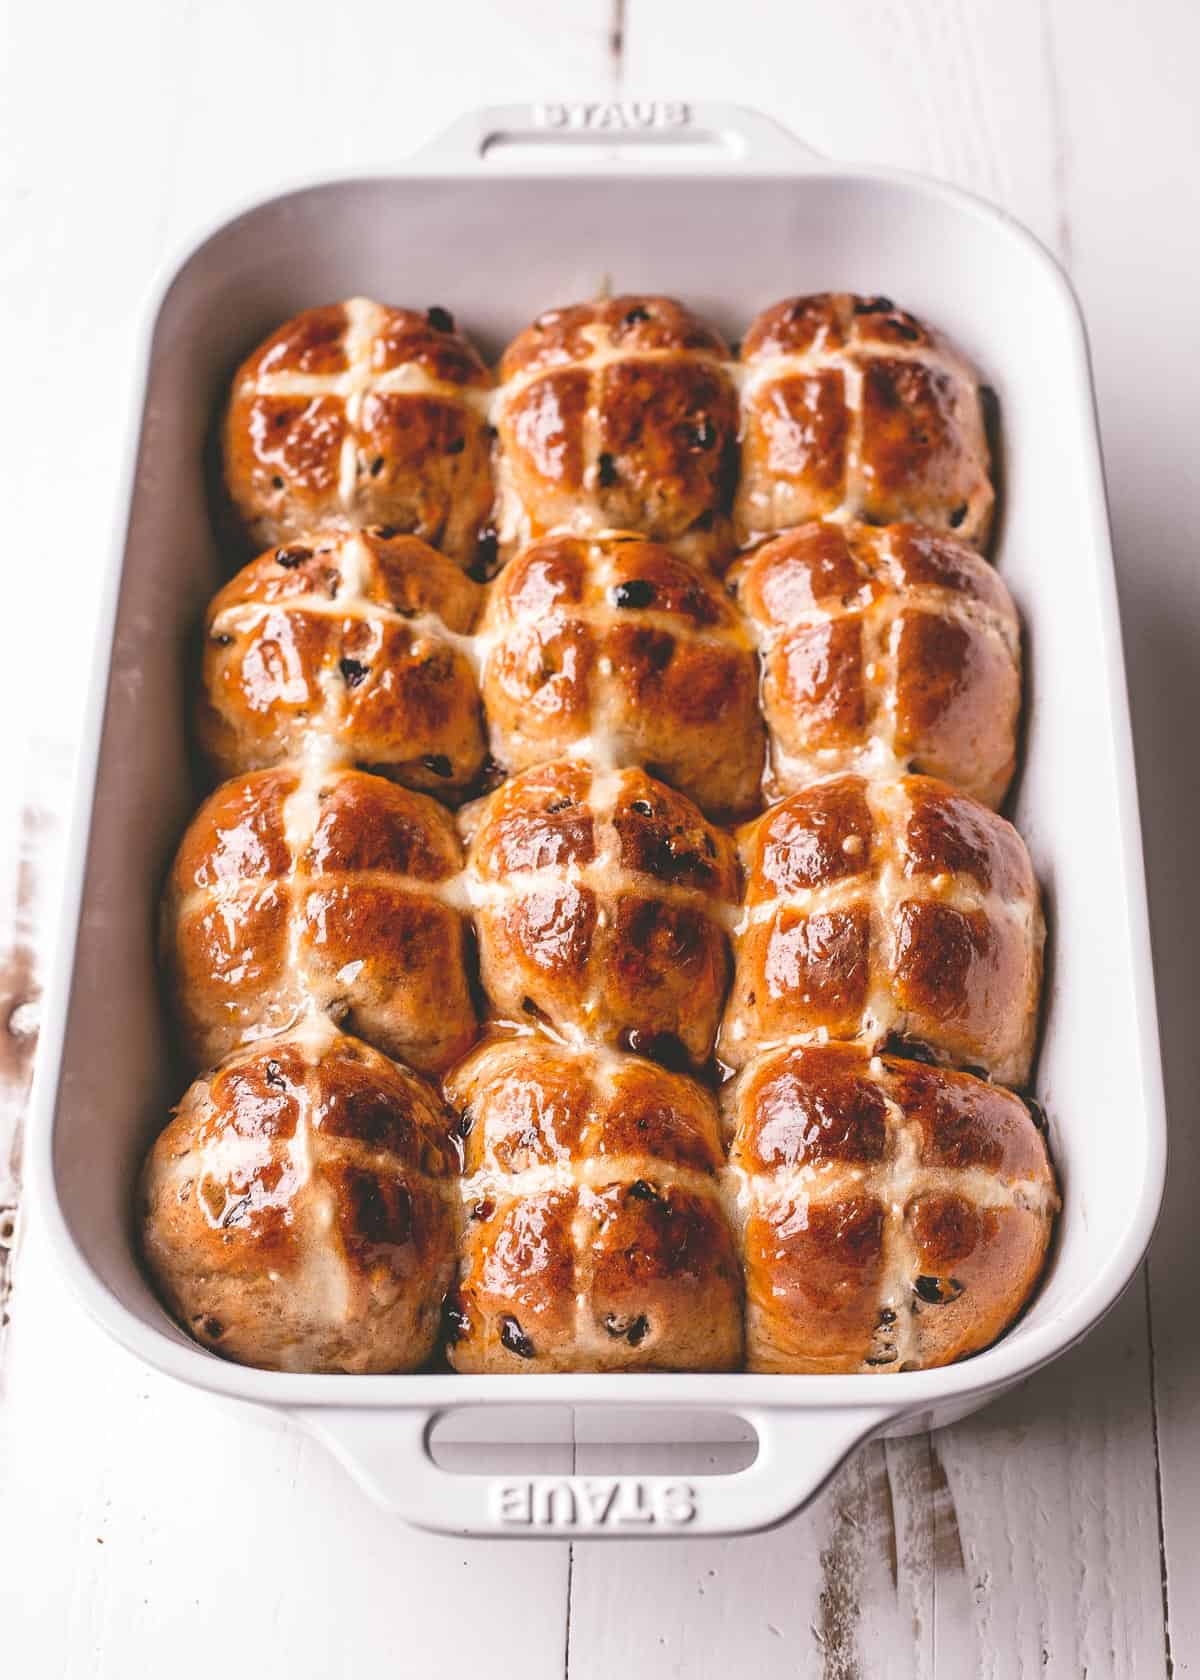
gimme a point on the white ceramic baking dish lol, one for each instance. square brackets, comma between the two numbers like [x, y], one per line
[729, 212]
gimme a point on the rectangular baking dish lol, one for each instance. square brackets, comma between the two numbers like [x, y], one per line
[514, 210]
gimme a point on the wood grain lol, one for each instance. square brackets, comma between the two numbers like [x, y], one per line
[1132, 132]
[1019, 1541]
[142, 1534]
[1056, 1491]
[148, 1530]
[29, 854]
[1035, 1538]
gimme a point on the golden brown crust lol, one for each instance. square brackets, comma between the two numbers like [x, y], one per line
[599, 901]
[894, 1216]
[593, 1233]
[346, 643]
[355, 414]
[629, 324]
[890, 907]
[877, 1213]
[618, 415]
[883, 646]
[298, 1212]
[616, 646]
[296, 890]
[851, 404]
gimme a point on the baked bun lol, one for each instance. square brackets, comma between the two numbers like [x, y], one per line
[893, 1216]
[887, 908]
[600, 903]
[618, 415]
[359, 415]
[884, 648]
[617, 649]
[594, 1237]
[350, 646]
[297, 889]
[850, 405]
[299, 1211]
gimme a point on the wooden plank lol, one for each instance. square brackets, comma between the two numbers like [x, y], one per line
[965, 93]
[1029, 1529]
[1136, 243]
[151, 1529]
[145, 1528]
[29, 854]
[1025, 1540]
[1020, 1541]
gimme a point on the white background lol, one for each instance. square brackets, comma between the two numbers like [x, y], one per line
[144, 1530]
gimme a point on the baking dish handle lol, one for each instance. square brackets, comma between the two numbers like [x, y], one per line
[617, 134]
[387, 1451]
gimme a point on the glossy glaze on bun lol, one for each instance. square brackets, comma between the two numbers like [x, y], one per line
[598, 714]
[355, 414]
[298, 1212]
[615, 648]
[892, 1216]
[601, 900]
[883, 648]
[593, 1233]
[618, 415]
[852, 406]
[895, 907]
[300, 889]
[350, 647]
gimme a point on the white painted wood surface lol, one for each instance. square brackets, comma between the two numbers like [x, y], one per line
[142, 1529]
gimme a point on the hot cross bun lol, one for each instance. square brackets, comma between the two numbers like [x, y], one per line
[618, 415]
[361, 415]
[892, 1216]
[888, 908]
[299, 1211]
[849, 405]
[616, 649]
[593, 1236]
[351, 647]
[601, 900]
[882, 648]
[298, 889]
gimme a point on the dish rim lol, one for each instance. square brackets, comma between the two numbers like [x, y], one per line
[1007, 1361]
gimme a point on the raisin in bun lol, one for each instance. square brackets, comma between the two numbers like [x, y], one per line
[356, 414]
[849, 405]
[594, 1237]
[618, 415]
[888, 908]
[892, 1216]
[350, 647]
[298, 1212]
[884, 647]
[617, 650]
[298, 889]
[601, 901]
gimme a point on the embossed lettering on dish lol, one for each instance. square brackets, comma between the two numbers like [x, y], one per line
[593, 1503]
[623, 114]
